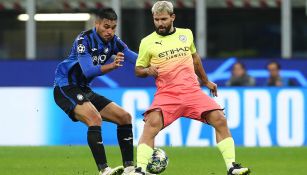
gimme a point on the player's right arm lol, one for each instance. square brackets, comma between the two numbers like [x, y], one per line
[85, 60]
[142, 66]
[146, 71]
[119, 58]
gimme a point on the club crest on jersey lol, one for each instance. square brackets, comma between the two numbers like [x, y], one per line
[80, 97]
[182, 38]
[106, 50]
[80, 48]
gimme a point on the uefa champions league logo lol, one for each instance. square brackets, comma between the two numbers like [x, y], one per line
[81, 48]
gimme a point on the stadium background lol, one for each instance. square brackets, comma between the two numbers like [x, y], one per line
[247, 30]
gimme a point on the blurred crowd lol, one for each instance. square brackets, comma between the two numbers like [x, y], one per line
[240, 76]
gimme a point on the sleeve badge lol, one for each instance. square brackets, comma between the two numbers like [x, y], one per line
[80, 48]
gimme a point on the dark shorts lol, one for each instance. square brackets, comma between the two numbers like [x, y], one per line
[67, 98]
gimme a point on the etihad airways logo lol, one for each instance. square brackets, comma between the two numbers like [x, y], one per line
[180, 51]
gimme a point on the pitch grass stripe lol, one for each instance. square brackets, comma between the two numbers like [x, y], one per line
[77, 160]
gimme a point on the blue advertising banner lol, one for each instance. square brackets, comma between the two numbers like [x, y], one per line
[256, 117]
[41, 73]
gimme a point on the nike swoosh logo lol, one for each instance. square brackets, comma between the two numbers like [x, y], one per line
[127, 139]
[80, 38]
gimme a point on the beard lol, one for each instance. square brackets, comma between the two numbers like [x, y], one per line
[165, 32]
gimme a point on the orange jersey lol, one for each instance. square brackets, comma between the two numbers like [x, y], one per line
[178, 90]
[172, 54]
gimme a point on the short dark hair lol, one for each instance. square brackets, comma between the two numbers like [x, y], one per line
[106, 13]
[241, 64]
[274, 62]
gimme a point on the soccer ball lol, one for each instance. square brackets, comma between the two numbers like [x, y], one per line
[158, 161]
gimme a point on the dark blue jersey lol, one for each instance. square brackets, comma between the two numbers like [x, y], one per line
[87, 55]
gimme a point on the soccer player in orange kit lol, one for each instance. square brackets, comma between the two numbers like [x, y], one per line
[169, 54]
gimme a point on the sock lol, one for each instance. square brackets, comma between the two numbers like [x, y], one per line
[227, 148]
[125, 141]
[94, 140]
[144, 152]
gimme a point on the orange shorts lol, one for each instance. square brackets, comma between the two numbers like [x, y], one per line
[190, 105]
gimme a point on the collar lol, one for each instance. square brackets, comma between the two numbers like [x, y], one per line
[168, 33]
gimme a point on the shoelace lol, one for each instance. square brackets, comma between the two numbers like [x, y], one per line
[236, 165]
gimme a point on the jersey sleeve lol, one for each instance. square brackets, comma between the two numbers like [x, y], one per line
[192, 46]
[144, 56]
[82, 45]
[121, 46]
[85, 59]
[130, 56]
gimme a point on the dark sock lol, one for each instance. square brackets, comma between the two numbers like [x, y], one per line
[125, 140]
[94, 140]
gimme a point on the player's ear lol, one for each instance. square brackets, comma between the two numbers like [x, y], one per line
[98, 21]
[173, 16]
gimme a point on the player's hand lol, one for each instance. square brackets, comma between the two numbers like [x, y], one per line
[118, 60]
[152, 70]
[212, 87]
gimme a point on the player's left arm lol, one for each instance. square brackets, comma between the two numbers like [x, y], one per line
[200, 72]
[129, 55]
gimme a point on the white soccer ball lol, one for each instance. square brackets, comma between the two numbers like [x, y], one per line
[158, 161]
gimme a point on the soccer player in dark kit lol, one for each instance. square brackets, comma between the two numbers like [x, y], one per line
[88, 59]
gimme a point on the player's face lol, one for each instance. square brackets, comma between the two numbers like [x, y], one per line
[163, 22]
[106, 28]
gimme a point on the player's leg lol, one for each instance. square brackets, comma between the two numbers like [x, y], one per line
[88, 114]
[217, 119]
[75, 103]
[116, 114]
[153, 124]
[203, 108]
[223, 137]
[93, 119]
[225, 142]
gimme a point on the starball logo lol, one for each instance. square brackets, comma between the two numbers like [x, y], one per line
[172, 53]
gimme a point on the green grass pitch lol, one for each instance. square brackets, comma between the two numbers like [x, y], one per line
[77, 160]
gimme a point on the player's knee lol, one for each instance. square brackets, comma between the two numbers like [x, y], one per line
[217, 119]
[125, 119]
[220, 121]
[155, 124]
[89, 117]
[96, 121]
